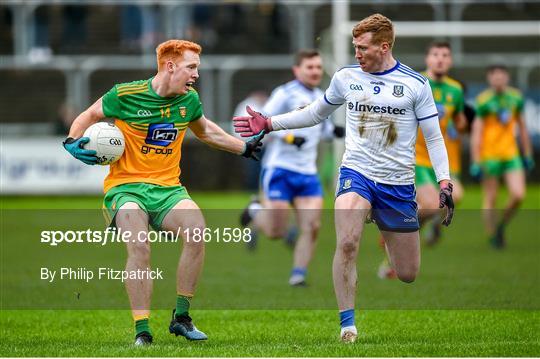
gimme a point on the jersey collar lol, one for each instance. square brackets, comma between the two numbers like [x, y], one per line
[387, 71]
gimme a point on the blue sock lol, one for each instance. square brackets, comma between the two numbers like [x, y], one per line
[300, 271]
[346, 318]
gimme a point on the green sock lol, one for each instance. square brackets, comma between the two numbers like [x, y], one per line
[182, 304]
[141, 325]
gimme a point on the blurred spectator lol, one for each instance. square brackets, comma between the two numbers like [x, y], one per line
[73, 37]
[152, 32]
[74, 34]
[130, 27]
[41, 50]
[201, 30]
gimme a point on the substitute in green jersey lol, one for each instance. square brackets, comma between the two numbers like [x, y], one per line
[143, 186]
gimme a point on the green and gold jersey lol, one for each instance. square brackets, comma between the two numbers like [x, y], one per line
[153, 128]
[449, 99]
[499, 112]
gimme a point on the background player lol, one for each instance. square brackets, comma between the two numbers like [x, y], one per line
[143, 186]
[386, 101]
[495, 152]
[289, 173]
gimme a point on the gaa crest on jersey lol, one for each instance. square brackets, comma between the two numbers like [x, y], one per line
[161, 134]
[398, 91]
[183, 111]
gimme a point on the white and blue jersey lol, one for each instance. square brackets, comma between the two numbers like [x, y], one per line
[279, 154]
[383, 113]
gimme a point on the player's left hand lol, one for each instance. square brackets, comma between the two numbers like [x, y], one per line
[445, 200]
[528, 163]
[251, 125]
[253, 146]
[339, 131]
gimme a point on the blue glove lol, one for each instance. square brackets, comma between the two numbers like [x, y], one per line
[475, 171]
[528, 163]
[75, 148]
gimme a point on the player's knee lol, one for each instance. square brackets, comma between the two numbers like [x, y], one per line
[407, 275]
[312, 228]
[140, 251]
[518, 196]
[348, 245]
[196, 239]
[276, 231]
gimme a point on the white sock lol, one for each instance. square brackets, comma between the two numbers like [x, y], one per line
[254, 208]
[351, 328]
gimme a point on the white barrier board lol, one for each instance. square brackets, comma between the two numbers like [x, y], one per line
[42, 166]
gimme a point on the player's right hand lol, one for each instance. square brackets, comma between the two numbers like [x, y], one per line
[75, 148]
[475, 171]
[248, 126]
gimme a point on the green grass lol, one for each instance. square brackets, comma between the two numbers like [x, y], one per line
[468, 300]
[276, 333]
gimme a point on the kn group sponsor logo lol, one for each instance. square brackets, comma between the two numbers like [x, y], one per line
[161, 134]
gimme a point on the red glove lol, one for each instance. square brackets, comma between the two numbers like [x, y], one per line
[251, 125]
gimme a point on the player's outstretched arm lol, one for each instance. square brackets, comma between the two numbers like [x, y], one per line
[308, 116]
[214, 136]
[74, 142]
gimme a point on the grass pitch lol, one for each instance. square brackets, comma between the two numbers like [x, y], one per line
[469, 300]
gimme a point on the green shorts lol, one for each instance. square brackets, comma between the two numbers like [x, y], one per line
[426, 175]
[496, 168]
[155, 200]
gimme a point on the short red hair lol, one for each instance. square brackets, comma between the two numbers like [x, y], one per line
[379, 25]
[173, 49]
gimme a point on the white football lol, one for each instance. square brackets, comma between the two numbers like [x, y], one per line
[107, 140]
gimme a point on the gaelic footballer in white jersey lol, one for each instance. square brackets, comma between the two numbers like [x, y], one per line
[385, 103]
[382, 117]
